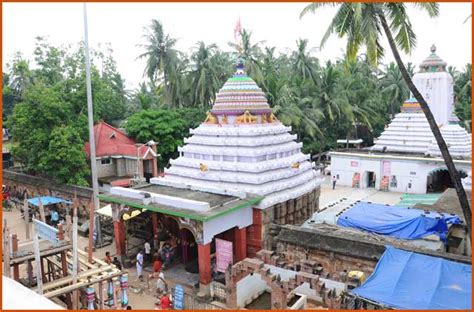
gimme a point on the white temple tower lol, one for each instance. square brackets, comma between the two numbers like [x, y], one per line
[242, 148]
[436, 86]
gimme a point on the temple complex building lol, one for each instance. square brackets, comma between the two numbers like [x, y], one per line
[240, 171]
[406, 158]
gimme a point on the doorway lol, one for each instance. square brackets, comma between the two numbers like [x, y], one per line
[371, 179]
[439, 180]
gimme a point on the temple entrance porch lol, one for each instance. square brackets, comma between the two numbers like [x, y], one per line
[193, 256]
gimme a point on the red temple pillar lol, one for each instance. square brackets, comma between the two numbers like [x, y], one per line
[240, 241]
[205, 276]
[119, 233]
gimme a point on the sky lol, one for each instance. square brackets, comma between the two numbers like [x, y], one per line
[278, 24]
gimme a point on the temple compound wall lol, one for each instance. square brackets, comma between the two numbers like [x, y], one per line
[294, 211]
[39, 186]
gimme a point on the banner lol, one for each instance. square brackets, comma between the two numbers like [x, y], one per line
[385, 168]
[224, 254]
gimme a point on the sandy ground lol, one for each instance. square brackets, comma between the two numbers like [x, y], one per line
[328, 195]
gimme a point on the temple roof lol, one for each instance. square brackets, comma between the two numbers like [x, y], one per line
[410, 132]
[433, 63]
[239, 94]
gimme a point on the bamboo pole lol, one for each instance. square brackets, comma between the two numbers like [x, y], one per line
[39, 274]
[16, 267]
[75, 296]
[91, 230]
[6, 250]
[26, 215]
[41, 210]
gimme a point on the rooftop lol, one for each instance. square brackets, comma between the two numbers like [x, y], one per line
[219, 204]
[110, 141]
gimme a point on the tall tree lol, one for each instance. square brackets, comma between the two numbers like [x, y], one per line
[394, 88]
[251, 53]
[362, 24]
[160, 55]
[205, 74]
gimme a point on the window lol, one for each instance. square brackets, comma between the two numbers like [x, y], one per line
[105, 161]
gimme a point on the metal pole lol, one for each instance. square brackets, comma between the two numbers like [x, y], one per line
[90, 115]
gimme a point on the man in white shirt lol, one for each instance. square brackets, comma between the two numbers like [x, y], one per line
[147, 252]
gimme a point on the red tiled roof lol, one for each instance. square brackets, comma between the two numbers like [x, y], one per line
[110, 141]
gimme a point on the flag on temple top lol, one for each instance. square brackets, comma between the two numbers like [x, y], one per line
[237, 30]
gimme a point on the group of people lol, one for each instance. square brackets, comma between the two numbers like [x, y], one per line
[115, 261]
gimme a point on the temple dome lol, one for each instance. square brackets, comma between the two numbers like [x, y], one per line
[240, 94]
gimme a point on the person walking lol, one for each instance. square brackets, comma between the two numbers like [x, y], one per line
[147, 247]
[140, 265]
[334, 180]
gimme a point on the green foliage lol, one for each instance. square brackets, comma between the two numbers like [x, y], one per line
[46, 108]
[463, 96]
[165, 126]
[65, 159]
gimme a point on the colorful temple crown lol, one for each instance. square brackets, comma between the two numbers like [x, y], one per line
[240, 94]
[433, 63]
[411, 106]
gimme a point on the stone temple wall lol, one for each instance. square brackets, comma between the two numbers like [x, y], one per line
[294, 211]
[39, 186]
[280, 289]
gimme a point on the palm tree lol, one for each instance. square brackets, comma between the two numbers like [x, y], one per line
[394, 87]
[205, 75]
[160, 54]
[250, 53]
[303, 64]
[363, 24]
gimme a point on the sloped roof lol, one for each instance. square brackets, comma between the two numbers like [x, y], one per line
[110, 141]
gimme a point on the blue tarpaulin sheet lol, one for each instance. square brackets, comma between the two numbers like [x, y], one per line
[47, 200]
[399, 222]
[407, 280]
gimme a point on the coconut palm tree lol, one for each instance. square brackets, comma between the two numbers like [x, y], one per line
[364, 24]
[304, 65]
[394, 87]
[205, 74]
[159, 53]
[251, 53]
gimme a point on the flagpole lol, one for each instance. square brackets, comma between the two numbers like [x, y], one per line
[95, 186]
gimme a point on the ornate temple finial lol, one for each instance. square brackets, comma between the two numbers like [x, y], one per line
[433, 48]
[239, 67]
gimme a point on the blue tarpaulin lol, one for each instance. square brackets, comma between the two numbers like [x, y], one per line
[399, 222]
[407, 280]
[47, 200]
